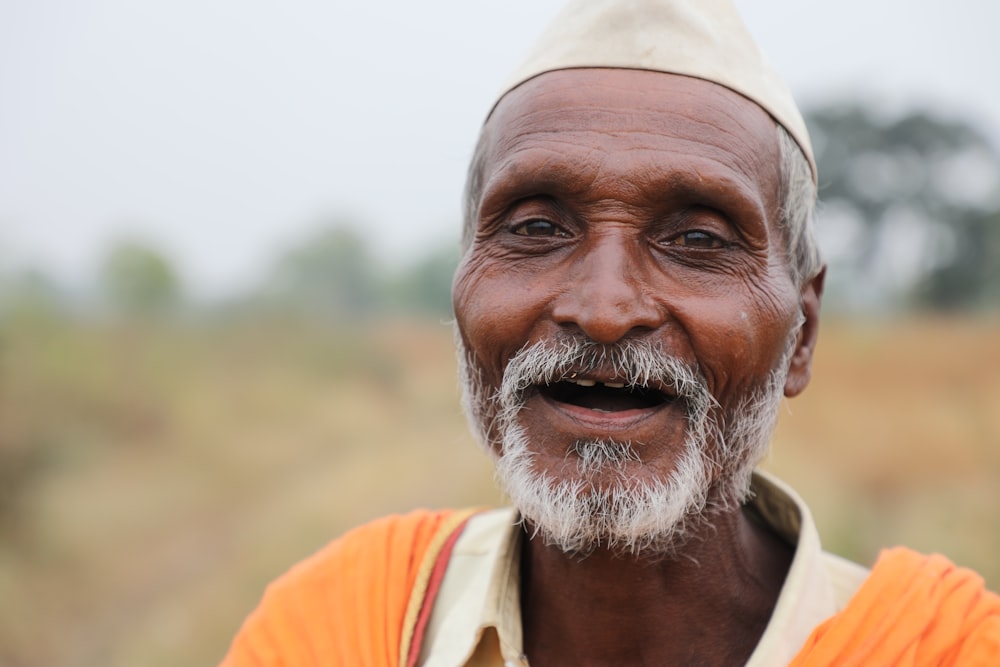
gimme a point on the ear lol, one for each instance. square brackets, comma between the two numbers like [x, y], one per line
[800, 367]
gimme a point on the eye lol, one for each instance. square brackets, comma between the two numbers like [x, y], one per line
[697, 239]
[538, 227]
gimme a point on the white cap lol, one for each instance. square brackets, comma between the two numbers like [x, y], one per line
[705, 39]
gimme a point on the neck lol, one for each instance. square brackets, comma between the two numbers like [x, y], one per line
[706, 605]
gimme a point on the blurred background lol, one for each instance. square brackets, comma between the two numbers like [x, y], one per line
[227, 232]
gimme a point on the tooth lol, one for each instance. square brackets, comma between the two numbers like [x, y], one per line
[615, 385]
[585, 383]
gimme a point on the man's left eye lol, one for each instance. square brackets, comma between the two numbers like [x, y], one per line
[697, 239]
[538, 228]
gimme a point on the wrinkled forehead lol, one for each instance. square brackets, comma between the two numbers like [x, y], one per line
[621, 111]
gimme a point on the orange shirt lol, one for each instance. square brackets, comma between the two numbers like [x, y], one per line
[913, 610]
[354, 603]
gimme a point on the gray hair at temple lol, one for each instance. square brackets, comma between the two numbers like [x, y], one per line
[797, 200]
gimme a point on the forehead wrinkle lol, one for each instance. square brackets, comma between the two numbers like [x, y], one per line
[610, 140]
[716, 136]
[541, 165]
[511, 149]
[685, 104]
[590, 171]
[719, 139]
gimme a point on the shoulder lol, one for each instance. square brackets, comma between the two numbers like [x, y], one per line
[919, 607]
[324, 608]
[387, 543]
[946, 610]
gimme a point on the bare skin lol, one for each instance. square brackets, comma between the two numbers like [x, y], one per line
[610, 610]
[617, 204]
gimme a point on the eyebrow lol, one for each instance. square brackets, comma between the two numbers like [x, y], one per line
[535, 171]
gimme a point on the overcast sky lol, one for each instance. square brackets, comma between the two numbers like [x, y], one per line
[224, 130]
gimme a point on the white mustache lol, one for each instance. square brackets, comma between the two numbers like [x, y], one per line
[634, 362]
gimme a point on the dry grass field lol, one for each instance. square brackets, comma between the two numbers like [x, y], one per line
[154, 478]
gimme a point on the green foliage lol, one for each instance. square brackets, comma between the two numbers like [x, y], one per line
[425, 287]
[30, 294]
[138, 280]
[334, 274]
[915, 201]
[972, 279]
[329, 273]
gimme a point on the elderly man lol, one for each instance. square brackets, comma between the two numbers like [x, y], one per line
[640, 288]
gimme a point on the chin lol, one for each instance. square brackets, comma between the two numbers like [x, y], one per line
[605, 501]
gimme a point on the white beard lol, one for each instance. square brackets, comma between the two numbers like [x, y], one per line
[627, 515]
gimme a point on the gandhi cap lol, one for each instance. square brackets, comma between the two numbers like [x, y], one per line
[705, 39]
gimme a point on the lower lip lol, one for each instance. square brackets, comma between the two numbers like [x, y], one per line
[604, 421]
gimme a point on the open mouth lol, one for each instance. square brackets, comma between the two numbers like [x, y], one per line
[604, 396]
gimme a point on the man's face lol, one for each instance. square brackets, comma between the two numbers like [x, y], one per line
[636, 208]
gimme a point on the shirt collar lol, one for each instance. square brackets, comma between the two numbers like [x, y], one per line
[481, 592]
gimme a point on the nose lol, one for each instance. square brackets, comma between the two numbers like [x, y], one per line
[609, 294]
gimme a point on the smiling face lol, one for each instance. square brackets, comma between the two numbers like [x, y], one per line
[625, 210]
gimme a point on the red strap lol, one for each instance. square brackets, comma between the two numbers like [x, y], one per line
[433, 587]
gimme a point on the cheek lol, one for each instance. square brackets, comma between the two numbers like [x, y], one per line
[777, 315]
[740, 337]
[497, 311]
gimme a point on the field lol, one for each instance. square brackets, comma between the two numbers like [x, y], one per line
[153, 478]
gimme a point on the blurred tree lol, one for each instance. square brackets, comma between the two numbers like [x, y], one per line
[909, 207]
[33, 307]
[425, 287]
[330, 273]
[972, 278]
[137, 280]
[31, 293]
